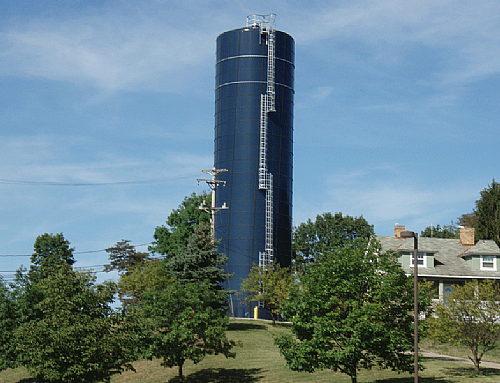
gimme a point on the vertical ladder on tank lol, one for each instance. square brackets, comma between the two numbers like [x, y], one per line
[271, 93]
[263, 184]
[267, 105]
[269, 220]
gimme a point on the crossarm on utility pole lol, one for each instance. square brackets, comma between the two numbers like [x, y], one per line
[213, 183]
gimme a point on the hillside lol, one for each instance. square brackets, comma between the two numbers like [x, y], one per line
[258, 360]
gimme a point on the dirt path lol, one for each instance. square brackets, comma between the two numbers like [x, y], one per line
[432, 355]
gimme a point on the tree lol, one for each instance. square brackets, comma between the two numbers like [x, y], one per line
[353, 311]
[180, 225]
[311, 239]
[124, 258]
[8, 322]
[149, 275]
[467, 220]
[448, 231]
[182, 298]
[76, 337]
[269, 285]
[470, 316]
[487, 213]
[187, 323]
[485, 218]
[51, 251]
[198, 260]
[187, 307]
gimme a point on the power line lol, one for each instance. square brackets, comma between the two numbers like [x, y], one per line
[74, 267]
[51, 183]
[75, 253]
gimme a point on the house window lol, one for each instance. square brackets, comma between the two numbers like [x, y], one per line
[488, 262]
[421, 259]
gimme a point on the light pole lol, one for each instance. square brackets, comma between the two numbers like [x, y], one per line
[409, 234]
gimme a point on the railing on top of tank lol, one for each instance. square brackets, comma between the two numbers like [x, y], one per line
[263, 21]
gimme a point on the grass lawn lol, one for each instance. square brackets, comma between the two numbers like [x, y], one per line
[258, 360]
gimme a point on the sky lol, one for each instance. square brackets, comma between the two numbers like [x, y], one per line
[107, 113]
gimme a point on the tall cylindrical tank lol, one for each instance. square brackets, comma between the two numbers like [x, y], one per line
[254, 142]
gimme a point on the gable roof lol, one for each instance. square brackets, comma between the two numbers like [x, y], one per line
[483, 247]
[449, 256]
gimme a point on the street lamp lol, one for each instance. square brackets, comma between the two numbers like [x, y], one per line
[409, 234]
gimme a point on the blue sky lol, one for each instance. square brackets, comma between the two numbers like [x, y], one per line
[396, 113]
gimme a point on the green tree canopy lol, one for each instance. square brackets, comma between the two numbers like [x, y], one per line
[327, 232]
[187, 322]
[150, 275]
[487, 213]
[169, 239]
[198, 260]
[124, 257]
[485, 218]
[51, 252]
[447, 231]
[467, 219]
[8, 322]
[470, 316]
[269, 285]
[353, 311]
[181, 294]
[76, 337]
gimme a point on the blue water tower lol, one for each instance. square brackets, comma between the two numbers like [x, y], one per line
[254, 89]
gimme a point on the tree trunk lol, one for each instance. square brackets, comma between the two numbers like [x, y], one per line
[476, 366]
[180, 369]
[354, 379]
[476, 361]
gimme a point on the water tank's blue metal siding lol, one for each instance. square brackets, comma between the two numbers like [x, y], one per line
[241, 78]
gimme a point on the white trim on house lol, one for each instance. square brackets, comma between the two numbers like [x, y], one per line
[453, 276]
[423, 259]
[488, 260]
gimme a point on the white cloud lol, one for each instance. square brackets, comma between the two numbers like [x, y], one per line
[322, 92]
[465, 34]
[113, 51]
[386, 194]
[64, 159]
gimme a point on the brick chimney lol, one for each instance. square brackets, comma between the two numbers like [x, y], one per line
[398, 229]
[467, 236]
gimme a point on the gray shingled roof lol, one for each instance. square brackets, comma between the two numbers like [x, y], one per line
[449, 255]
[483, 248]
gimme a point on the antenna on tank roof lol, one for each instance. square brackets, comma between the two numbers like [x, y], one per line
[262, 21]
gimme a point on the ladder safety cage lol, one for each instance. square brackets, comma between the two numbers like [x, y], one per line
[263, 143]
[269, 217]
[266, 24]
[271, 93]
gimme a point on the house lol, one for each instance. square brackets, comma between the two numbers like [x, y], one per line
[446, 262]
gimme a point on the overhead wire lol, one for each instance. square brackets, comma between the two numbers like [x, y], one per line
[75, 253]
[53, 183]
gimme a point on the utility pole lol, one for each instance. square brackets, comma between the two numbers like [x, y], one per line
[213, 183]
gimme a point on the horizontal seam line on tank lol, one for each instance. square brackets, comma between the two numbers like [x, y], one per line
[263, 56]
[256, 82]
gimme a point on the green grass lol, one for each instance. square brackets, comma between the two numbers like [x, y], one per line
[258, 360]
